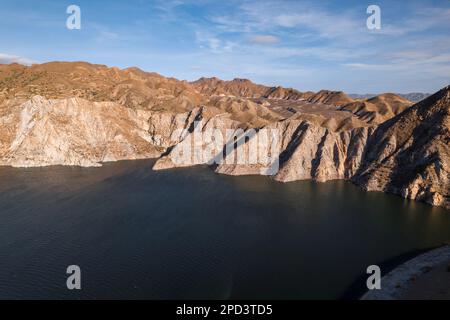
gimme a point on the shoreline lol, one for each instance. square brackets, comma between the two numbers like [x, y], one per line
[155, 159]
[402, 275]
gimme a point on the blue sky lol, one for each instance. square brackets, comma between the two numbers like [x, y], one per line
[308, 45]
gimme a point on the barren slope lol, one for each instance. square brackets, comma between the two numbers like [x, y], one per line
[378, 109]
[410, 154]
[130, 87]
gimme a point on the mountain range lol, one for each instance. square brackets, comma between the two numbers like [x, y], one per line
[76, 113]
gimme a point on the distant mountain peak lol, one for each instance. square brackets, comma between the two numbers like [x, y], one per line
[413, 96]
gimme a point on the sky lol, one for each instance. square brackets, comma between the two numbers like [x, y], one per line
[307, 45]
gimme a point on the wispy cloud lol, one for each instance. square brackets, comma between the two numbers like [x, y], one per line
[421, 19]
[214, 44]
[9, 58]
[255, 16]
[264, 39]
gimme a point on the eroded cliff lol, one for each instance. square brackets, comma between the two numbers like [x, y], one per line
[409, 155]
[74, 131]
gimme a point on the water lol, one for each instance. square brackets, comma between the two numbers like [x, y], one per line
[189, 233]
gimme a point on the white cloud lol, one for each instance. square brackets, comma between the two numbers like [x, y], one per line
[103, 33]
[9, 58]
[367, 66]
[213, 43]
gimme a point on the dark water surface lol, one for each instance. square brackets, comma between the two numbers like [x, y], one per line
[189, 233]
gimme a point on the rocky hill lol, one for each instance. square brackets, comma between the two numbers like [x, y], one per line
[409, 154]
[243, 88]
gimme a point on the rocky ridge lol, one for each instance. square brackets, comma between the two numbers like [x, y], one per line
[409, 154]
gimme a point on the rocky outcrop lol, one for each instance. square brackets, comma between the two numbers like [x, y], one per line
[73, 131]
[309, 152]
[320, 154]
[163, 126]
[192, 142]
[409, 155]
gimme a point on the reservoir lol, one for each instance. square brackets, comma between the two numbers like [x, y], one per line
[192, 234]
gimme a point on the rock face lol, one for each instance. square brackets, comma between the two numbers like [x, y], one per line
[73, 131]
[81, 114]
[409, 155]
[189, 143]
[320, 154]
[308, 151]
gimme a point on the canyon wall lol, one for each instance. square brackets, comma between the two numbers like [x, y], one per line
[41, 132]
[409, 155]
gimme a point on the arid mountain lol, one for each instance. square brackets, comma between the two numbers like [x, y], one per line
[415, 96]
[410, 153]
[335, 98]
[76, 113]
[245, 88]
[130, 87]
[250, 112]
[286, 94]
[378, 109]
